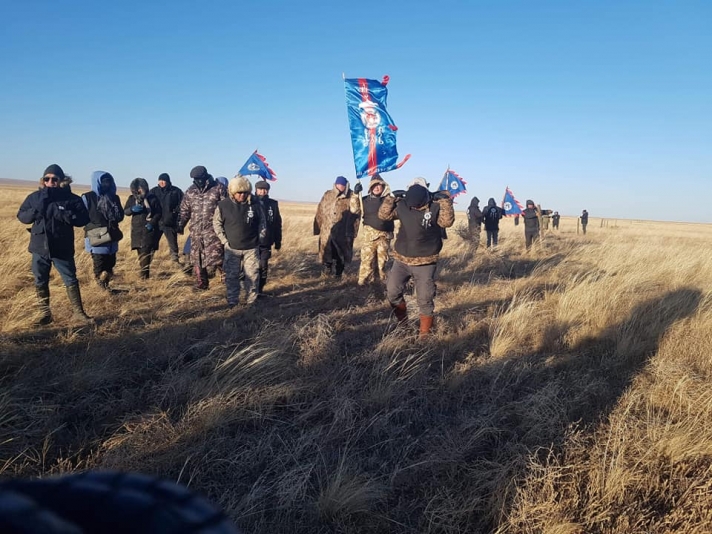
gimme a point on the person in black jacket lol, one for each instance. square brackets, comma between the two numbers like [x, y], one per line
[53, 212]
[531, 216]
[584, 221]
[555, 218]
[273, 226]
[170, 198]
[145, 212]
[239, 222]
[491, 217]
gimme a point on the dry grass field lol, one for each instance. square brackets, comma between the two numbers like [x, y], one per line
[564, 391]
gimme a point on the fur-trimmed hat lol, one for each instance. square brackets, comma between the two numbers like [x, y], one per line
[239, 184]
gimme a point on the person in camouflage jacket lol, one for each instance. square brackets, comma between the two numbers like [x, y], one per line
[198, 207]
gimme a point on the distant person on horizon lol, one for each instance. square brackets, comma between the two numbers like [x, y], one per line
[170, 197]
[474, 222]
[273, 230]
[144, 208]
[54, 212]
[198, 207]
[104, 207]
[422, 216]
[584, 221]
[491, 217]
[377, 234]
[531, 216]
[336, 223]
[555, 220]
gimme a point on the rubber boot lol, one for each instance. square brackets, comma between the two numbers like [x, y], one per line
[75, 299]
[43, 301]
[145, 263]
[401, 312]
[426, 323]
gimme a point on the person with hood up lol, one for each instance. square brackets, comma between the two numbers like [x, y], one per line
[54, 212]
[239, 223]
[273, 226]
[531, 216]
[377, 234]
[104, 207]
[555, 218]
[584, 221]
[145, 211]
[170, 197]
[420, 238]
[336, 223]
[474, 222]
[491, 217]
[198, 207]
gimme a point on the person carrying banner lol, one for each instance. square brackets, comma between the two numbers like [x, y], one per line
[531, 216]
[104, 207]
[273, 230]
[54, 212]
[555, 220]
[474, 222]
[239, 221]
[491, 217]
[145, 211]
[584, 221]
[336, 223]
[198, 207]
[170, 198]
[377, 234]
[422, 217]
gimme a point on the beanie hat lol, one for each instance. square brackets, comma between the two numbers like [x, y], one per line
[199, 172]
[340, 180]
[54, 169]
[416, 196]
[262, 184]
[222, 180]
[164, 177]
[239, 184]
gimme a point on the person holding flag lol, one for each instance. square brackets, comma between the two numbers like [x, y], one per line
[377, 234]
[423, 216]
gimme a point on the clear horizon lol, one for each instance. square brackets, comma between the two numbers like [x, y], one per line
[599, 106]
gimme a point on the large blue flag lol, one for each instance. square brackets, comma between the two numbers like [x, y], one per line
[257, 164]
[511, 205]
[373, 133]
[453, 183]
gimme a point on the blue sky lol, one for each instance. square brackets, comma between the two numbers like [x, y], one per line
[599, 105]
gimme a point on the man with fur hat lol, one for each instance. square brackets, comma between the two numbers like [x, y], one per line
[239, 222]
[198, 207]
[145, 211]
[336, 224]
[420, 238]
[474, 222]
[170, 197]
[273, 226]
[531, 216]
[377, 234]
[53, 212]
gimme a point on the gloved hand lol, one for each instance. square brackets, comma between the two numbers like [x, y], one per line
[277, 246]
[358, 188]
[137, 208]
[399, 193]
[149, 227]
[439, 195]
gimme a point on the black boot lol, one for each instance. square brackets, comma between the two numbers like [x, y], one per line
[43, 301]
[75, 299]
[144, 261]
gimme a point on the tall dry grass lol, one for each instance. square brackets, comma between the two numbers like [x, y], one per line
[566, 390]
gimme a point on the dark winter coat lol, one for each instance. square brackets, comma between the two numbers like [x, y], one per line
[531, 220]
[53, 212]
[273, 219]
[97, 219]
[584, 217]
[170, 198]
[145, 223]
[474, 216]
[492, 215]
[198, 207]
[336, 222]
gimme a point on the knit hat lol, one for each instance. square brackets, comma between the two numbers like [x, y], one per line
[262, 184]
[54, 169]
[416, 196]
[340, 180]
[199, 172]
[239, 184]
[163, 177]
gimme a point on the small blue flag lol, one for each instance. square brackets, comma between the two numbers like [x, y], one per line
[511, 205]
[453, 183]
[257, 164]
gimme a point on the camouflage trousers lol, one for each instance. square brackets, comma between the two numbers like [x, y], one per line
[236, 263]
[374, 255]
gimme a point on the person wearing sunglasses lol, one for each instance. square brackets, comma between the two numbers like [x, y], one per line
[54, 212]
